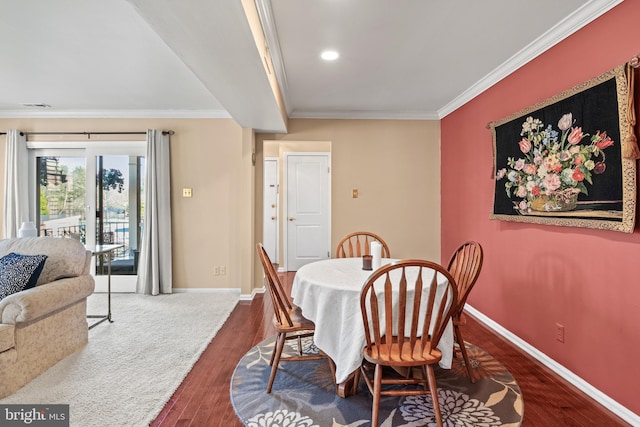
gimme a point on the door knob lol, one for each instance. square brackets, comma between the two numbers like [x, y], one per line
[273, 218]
[291, 218]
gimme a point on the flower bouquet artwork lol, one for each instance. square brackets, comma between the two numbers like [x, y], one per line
[555, 165]
[566, 161]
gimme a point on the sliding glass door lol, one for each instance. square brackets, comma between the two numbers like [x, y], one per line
[94, 194]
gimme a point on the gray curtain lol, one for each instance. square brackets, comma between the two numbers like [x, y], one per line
[154, 268]
[16, 176]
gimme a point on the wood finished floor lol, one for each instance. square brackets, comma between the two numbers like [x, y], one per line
[202, 400]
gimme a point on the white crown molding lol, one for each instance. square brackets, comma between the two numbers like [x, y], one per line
[572, 23]
[117, 114]
[588, 389]
[364, 114]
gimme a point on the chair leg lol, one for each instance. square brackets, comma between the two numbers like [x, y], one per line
[277, 352]
[332, 366]
[356, 381]
[463, 350]
[425, 377]
[377, 389]
[273, 353]
[434, 394]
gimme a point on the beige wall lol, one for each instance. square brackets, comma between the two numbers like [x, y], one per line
[394, 164]
[211, 156]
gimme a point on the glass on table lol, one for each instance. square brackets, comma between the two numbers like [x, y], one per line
[367, 261]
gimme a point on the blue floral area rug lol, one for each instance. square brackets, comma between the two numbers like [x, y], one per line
[304, 395]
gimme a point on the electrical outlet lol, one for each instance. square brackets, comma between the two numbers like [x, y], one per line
[560, 332]
[216, 271]
[223, 270]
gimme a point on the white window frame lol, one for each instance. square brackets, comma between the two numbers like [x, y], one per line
[89, 150]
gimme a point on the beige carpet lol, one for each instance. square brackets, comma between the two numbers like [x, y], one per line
[131, 367]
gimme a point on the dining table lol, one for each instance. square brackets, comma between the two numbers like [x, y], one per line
[328, 293]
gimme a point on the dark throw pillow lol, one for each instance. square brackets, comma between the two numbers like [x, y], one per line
[19, 272]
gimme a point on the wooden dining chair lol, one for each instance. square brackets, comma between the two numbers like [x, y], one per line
[464, 266]
[357, 244]
[404, 318]
[287, 319]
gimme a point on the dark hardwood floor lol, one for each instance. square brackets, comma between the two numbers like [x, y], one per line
[203, 397]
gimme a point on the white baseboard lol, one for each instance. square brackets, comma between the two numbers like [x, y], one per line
[243, 297]
[184, 291]
[613, 406]
[205, 290]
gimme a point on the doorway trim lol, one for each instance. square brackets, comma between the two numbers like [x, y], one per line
[277, 256]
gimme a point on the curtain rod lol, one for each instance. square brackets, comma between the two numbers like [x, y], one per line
[164, 132]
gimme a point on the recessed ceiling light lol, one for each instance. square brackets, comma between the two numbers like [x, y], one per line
[329, 55]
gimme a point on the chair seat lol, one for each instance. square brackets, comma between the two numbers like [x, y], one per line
[299, 322]
[390, 355]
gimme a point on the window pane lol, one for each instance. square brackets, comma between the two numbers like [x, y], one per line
[61, 201]
[118, 218]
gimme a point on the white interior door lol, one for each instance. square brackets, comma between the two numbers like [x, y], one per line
[270, 211]
[308, 208]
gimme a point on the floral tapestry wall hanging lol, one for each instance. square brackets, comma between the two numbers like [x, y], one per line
[562, 161]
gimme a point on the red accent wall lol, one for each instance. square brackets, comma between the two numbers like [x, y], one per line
[535, 276]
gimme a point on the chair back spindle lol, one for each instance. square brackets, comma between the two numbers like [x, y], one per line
[401, 313]
[358, 243]
[281, 304]
[464, 266]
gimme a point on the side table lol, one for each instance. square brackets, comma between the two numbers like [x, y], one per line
[102, 251]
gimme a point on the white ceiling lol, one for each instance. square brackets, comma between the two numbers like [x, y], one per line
[409, 59]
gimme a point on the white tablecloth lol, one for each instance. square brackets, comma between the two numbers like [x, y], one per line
[328, 292]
